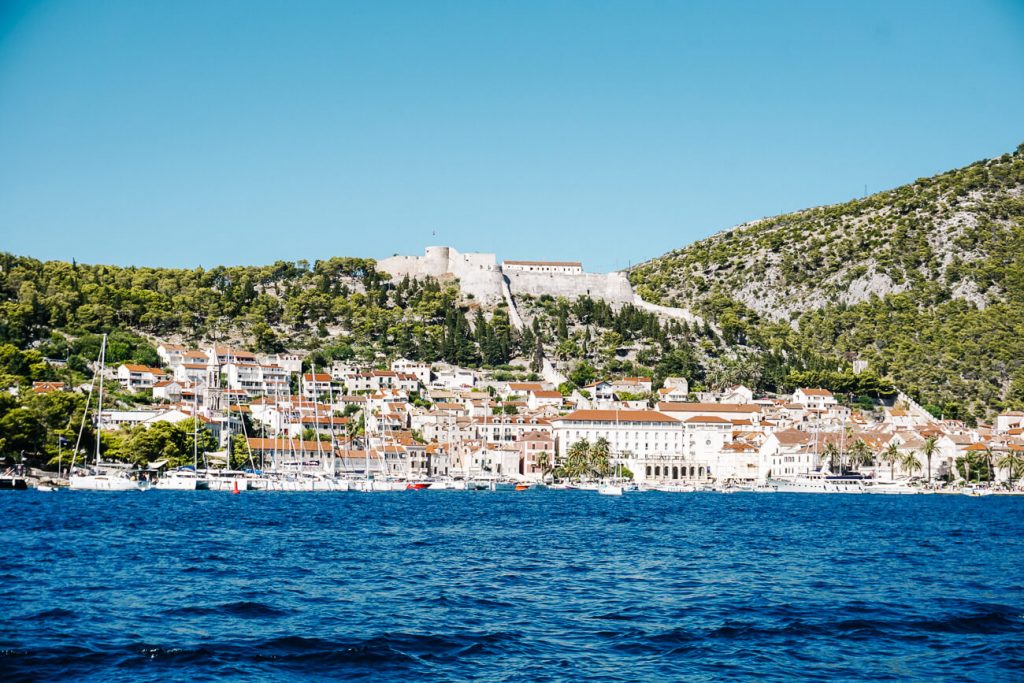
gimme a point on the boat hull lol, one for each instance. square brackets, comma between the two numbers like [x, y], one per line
[103, 482]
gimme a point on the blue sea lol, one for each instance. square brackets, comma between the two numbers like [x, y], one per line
[496, 586]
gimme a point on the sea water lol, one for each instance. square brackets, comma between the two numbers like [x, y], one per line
[509, 586]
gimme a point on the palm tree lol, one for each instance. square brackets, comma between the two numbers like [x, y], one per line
[988, 454]
[598, 460]
[860, 454]
[929, 449]
[544, 463]
[891, 454]
[577, 459]
[1013, 463]
[832, 453]
[910, 463]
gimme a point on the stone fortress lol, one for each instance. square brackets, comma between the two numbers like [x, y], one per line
[481, 276]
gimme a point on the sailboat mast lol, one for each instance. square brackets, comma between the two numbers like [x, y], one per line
[99, 405]
[195, 425]
[316, 418]
[330, 420]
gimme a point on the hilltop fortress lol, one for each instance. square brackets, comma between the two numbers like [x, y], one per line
[489, 282]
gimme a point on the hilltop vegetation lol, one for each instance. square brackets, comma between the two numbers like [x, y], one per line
[924, 282]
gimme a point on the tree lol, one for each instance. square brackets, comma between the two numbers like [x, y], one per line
[21, 430]
[831, 453]
[988, 456]
[929, 449]
[577, 460]
[598, 458]
[544, 462]
[1014, 464]
[891, 454]
[583, 374]
[859, 454]
[910, 463]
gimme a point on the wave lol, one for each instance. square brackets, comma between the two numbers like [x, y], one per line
[402, 653]
[243, 608]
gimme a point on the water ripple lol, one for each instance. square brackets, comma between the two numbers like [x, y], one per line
[546, 586]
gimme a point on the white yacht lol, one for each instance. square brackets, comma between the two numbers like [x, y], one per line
[107, 481]
[819, 482]
[181, 479]
[225, 480]
[891, 488]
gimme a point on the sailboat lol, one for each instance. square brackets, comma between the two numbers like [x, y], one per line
[187, 478]
[103, 477]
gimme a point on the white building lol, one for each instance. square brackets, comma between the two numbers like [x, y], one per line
[409, 367]
[539, 399]
[193, 373]
[630, 433]
[171, 354]
[257, 380]
[316, 385]
[561, 267]
[814, 399]
[290, 362]
[137, 377]
[1013, 419]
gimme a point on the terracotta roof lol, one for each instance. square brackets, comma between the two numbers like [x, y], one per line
[708, 419]
[815, 392]
[615, 415]
[737, 446]
[285, 445]
[792, 437]
[709, 407]
[323, 419]
[536, 436]
[143, 368]
[320, 377]
[547, 394]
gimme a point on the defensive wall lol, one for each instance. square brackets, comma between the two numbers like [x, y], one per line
[482, 276]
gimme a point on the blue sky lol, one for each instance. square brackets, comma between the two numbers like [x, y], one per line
[202, 133]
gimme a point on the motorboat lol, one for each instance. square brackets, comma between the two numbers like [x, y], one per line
[181, 479]
[892, 488]
[107, 480]
[820, 482]
[225, 480]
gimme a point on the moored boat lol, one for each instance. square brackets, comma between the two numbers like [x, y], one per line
[819, 482]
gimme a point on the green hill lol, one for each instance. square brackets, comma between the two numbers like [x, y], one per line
[924, 282]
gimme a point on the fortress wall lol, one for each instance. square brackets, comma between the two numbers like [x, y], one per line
[480, 275]
[612, 287]
[413, 266]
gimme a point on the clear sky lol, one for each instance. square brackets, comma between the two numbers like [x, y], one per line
[191, 133]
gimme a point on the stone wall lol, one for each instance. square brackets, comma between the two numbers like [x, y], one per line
[480, 275]
[611, 287]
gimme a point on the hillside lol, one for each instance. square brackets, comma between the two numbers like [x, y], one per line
[924, 282]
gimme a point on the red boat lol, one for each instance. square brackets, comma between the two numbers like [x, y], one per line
[416, 486]
[522, 487]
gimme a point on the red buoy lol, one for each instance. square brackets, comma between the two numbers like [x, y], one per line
[235, 490]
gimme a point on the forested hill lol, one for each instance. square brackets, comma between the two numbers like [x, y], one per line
[925, 282]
